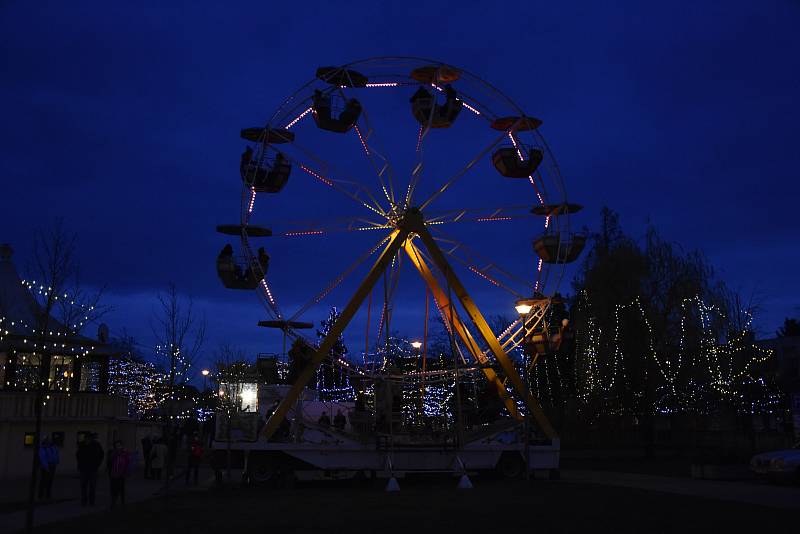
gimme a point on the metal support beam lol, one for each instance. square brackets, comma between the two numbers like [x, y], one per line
[417, 226]
[443, 302]
[395, 243]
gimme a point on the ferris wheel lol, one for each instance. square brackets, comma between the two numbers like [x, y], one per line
[404, 165]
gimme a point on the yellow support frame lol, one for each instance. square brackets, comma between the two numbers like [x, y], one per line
[413, 223]
[485, 331]
[443, 302]
[395, 242]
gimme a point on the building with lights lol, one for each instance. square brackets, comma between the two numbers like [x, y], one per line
[76, 400]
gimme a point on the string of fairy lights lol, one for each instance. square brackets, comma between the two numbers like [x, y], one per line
[428, 396]
[140, 382]
[710, 362]
[62, 342]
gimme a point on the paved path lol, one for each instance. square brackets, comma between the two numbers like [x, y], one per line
[787, 497]
[66, 497]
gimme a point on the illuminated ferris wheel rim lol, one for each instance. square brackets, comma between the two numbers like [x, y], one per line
[292, 110]
[296, 107]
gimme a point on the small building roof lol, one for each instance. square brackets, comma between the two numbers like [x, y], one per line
[20, 312]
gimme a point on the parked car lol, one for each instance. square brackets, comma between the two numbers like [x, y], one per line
[783, 464]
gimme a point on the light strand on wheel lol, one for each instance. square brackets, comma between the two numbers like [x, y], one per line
[297, 119]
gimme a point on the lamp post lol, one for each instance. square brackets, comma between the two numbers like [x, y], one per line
[524, 307]
[416, 345]
[205, 373]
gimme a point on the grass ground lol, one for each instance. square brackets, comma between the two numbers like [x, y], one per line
[667, 466]
[494, 506]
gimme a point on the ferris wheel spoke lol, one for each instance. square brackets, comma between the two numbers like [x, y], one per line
[424, 130]
[479, 215]
[344, 184]
[339, 279]
[390, 285]
[463, 171]
[315, 228]
[509, 330]
[416, 172]
[489, 271]
[264, 291]
[371, 153]
[301, 110]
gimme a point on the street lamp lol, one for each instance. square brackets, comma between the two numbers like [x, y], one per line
[205, 373]
[416, 344]
[524, 307]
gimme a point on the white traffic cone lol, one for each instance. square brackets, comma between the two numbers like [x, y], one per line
[392, 485]
[464, 482]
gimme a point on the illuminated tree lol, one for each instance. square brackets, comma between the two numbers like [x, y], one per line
[657, 333]
[140, 381]
[333, 381]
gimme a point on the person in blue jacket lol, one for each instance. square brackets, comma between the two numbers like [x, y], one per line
[48, 461]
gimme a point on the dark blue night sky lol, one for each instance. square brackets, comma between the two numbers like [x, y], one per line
[124, 121]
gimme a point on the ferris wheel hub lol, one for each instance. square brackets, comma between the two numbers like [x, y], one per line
[410, 219]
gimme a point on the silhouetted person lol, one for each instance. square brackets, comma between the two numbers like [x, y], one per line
[90, 458]
[324, 420]
[147, 447]
[158, 458]
[263, 259]
[48, 461]
[339, 420]
[194, 457]
[322, 104]
[172, 445]
[118, 464]
[284, 429]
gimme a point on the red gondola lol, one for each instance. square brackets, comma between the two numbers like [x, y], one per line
[552, 248]
[508, 163]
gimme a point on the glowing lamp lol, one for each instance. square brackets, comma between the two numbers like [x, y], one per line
[416, 344]
[523, 308]
[205, 372]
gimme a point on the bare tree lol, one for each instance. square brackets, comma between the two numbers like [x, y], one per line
[61, 305]
[179, 334]
[232, 372]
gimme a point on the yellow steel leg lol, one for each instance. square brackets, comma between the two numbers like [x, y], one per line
[443, 302]
[395, 242]
[483, 328]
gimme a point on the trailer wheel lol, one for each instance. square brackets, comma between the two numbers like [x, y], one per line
[261, 474]
[511, 465]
